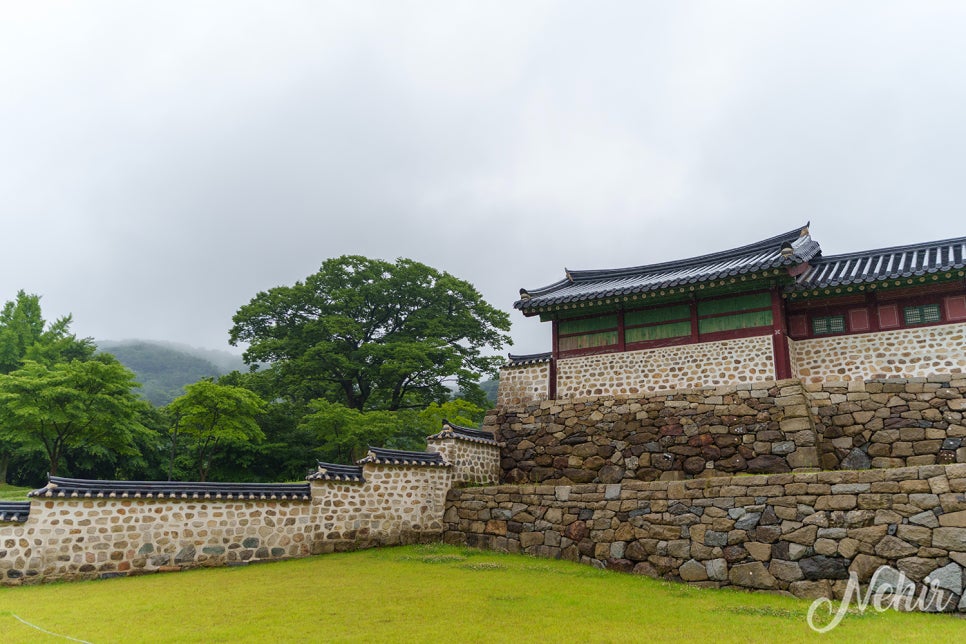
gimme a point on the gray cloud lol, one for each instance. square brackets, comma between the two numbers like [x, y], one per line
[162, 163]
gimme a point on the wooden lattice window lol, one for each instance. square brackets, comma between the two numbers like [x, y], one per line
[828, 324]
[924, 314]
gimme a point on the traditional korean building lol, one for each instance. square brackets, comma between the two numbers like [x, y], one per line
[770, 310]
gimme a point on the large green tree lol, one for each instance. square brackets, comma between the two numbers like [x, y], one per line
[83, 405]
[26, 335]
[372, 335]
[211, 416]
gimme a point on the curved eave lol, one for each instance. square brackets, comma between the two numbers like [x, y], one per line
[907, 265]
[587, 286]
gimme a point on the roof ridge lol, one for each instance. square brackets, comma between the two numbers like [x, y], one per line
[764, 244]
[887, 249]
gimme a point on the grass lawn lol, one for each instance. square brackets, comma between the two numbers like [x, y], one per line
[428, 594]
[13, 493]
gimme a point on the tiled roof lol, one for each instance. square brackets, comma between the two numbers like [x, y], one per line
[14, 511]
[532, 358]
[60, 487]
[465, 433]
[884, 264]
[400, 457]
[782, 251]
[335, 472]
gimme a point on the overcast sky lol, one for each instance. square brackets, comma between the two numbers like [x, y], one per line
[163, 162]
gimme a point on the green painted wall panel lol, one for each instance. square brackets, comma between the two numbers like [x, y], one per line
[588, 324]
[729, 304]
[658, 332]
[679, 312]
[734, 322]
[588, 341]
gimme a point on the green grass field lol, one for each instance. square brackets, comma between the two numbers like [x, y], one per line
[428, 594]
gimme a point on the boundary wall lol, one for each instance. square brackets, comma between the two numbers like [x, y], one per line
[75, 529]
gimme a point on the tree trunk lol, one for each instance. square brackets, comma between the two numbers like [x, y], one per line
[4, 463]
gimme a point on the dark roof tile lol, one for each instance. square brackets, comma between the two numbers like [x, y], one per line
[532, 358]
[14, 511]
[60, 487]
[581, 286]
[464, 433]
[335, 472]
[384, 456]
[884, 264]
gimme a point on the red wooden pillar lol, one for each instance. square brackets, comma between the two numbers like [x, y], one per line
[555, 351]
[783, 365]
[693, 305]
[620, 331]
[872, 304]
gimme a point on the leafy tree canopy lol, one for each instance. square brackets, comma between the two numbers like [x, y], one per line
[211, 416]
[79, 405]
[372, 335]
[25, 335]
[345, 434]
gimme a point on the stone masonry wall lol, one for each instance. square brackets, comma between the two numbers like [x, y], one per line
[797, 532]
[890, 423]
[677, 367]
[904, 353]
[520, 384]
[84, 538]
[706, 432]
[475, 463]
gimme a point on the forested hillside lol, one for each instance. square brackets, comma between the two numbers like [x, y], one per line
[163, 368]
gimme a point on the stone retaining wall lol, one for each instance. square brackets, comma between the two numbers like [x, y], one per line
[801, 533]
[890, 423]
[676, 434]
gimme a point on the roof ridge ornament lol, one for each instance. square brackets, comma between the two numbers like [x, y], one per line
[804, 232]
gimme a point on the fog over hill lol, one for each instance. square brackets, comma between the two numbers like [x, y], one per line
[164, 368]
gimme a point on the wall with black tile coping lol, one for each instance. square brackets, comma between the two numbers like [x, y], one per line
[66, 538]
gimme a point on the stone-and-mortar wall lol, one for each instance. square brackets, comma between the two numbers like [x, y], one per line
[396, 504]
[85, 538]
[904, 353]
[520, 384]
[895, 422]
[474, 463]
[762, 427]
[801, 533]
[684, 366]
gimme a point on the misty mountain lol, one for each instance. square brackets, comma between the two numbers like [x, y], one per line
[164, 368]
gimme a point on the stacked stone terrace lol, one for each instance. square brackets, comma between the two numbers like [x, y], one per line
[775, 427]
[799, 533]
[82, 529]
[646, 484]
